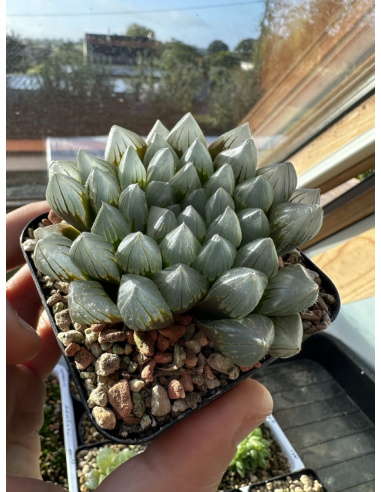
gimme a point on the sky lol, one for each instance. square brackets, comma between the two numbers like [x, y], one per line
[195, 22]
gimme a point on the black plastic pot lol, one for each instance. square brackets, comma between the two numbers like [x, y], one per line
[149, 434]
[295, 476]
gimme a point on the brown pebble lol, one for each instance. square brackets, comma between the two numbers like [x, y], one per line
[120, 398]
[98, 327]
[144, 342]
[147, 372]
[180, 319]
[191, 358]
[162, 343]
[173, 332]
[83, 358]
[72, 349]
[247, 368]
[130, 336]
[54, 218]
[111, 335]
[163, 357]
[208, 373]
[175, 390]
[186, 381]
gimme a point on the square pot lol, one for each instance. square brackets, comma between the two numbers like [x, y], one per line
[139, 437]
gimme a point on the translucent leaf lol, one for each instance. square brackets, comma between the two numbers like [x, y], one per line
[245, 341]
[89, 303]
[160, 222]
[259, 254]
[65, 167]
[254, 193]
[288, 336]
[282, 178]
[222, 178]
[139, 254]
[95, 257]
[235, 294]
[215, 258]
[158, 143]
[254, 224]
[67, 198]
[290, 291]
[131, 169]
[62, 228]
[179, 246]
[307, 196]
[88, 162]
[176, 209]
[111, 225]
[105, 458]
[217, 204]
[133, 205]
[181, 286]
[141, 305]
[197, 199]
[102, 187]
[184, 133]
[123, 456]
[185, 181]
[231, 139]
[161, 166]
[226, 225]
[194, 221]
[51, 257]
[198, 154]
[117, 142]
[160, 194]
[293, 224]
[159, 128]
[243, 160]
[92, 479]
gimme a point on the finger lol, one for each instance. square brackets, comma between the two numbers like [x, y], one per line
[195, 453]
[16, 221]
[23, 343]
[21, 484]
[50, 352]
[22, 294]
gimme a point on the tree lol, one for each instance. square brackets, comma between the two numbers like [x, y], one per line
[66, 70]
[245, 49]
[140, 31]
[15, 54]
[216, 47]
[225, 59]
[182, 77]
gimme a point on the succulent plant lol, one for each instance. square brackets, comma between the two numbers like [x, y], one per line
[251, 454]
[107, 460]
[167, 225]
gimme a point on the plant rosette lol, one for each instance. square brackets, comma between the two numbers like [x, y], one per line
[171, 271]
[264, 454]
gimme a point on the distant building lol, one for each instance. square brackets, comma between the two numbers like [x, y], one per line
[118, 50]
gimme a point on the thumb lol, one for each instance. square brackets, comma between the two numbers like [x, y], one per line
[195, 453]
[23, 343]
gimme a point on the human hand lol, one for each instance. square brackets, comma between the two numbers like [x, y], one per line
[191, 456]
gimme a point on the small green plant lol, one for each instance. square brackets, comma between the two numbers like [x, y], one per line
[107, 460]
[252, 453]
